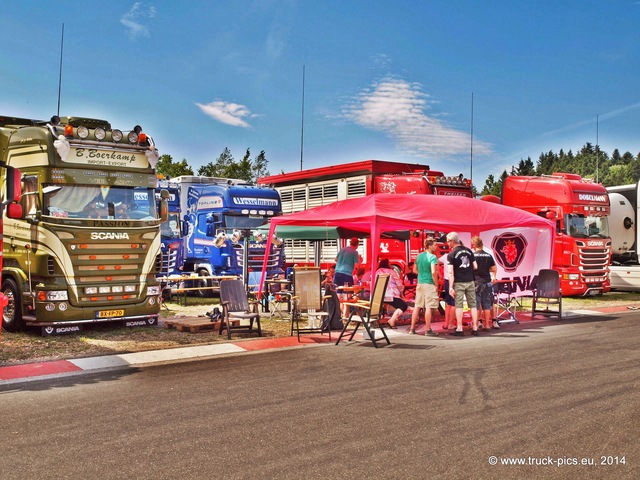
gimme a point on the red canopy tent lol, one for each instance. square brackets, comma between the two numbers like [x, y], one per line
[524, 237]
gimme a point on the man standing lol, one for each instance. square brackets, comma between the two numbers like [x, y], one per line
[485, 275]
[426, 266]
[346, 261]
[462, 263]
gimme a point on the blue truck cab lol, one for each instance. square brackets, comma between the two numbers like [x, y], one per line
[219, 223]
[171, 235]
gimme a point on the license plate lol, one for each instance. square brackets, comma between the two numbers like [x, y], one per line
[109, 313]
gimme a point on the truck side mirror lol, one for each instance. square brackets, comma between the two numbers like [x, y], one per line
[14, 210]
[184, 228]
[14, 188]
[164, 210]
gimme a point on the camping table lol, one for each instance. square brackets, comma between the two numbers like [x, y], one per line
[506, 301]
[285, 290]
[344, 293]
[183, 291]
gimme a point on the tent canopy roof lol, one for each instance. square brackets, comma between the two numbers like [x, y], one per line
[391, 212]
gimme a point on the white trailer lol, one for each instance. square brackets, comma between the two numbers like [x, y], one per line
[624, 271]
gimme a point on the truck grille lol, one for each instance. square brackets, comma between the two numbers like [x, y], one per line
[168, 262]
[256, 258]
[594, 261]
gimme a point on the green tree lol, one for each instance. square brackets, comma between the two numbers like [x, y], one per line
[246, 169]
[218, 168]
[168, 168]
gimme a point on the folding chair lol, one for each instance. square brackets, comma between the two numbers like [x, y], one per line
[368, 313]
[547, 293]
[307, 302]
[236, 310]
[505, 302]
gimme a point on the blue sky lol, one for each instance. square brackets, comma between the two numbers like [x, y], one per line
[383, 80]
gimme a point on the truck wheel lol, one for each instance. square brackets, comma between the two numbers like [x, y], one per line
[12, 316]
[398, 270]
[204, 283]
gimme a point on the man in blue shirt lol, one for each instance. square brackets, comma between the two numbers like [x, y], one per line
[346, 262]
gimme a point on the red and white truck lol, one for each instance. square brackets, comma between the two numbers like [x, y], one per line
[582, 244]
[304, 189]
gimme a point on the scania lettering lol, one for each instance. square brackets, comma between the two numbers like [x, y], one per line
[582, 247]
[301, 190]
[86, 244]
[109, 236]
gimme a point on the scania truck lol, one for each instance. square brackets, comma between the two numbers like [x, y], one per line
[579, 206]
[86, 245]
[221, 221]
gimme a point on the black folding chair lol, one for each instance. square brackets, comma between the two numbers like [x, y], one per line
[368, 313]
[547, 293]
[307, 302]
[236, 310]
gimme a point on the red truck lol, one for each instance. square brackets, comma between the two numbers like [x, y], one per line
[582, 245]
[306, 189]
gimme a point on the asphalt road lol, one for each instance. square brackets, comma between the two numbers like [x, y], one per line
[447, 407]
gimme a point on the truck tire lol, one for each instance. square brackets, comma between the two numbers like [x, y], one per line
[204, 283]
[12, 316]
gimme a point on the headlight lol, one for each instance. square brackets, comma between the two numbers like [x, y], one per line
[91, 290]
[53, 295]
[104, 290]
[153, 291]
[117, 289]
[100, 133]
[129, 288]
[116, 135]
[133, 138]
[573, 276]
[82, 131]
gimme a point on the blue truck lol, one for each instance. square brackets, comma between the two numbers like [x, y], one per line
[171, 245]
[220, 221]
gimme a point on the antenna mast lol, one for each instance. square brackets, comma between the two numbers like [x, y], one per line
[302, 131]
[471, 152]
[60, 78]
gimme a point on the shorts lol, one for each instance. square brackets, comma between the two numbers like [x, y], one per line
[339, 279]
[426, 296]
[484, 295]
[398, 303]
[468, 290]
[446, 296]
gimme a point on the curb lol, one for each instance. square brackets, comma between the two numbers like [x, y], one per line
[39, 370]
[29, 371]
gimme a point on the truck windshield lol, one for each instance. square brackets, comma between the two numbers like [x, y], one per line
[99, 201]
[244, 222]
[171, 228]
[579, 226]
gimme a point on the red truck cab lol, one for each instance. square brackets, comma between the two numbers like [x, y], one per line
[582, 246]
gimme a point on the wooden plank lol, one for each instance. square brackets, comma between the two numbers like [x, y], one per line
[194, 325]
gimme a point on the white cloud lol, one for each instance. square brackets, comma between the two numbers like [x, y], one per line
[397, 108]
[134, 19]
[227, 112]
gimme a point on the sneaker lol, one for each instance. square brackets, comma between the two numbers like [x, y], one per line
[474, 333]
[458, 333]
[496, 324]
[412, 332]
[431, 333]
